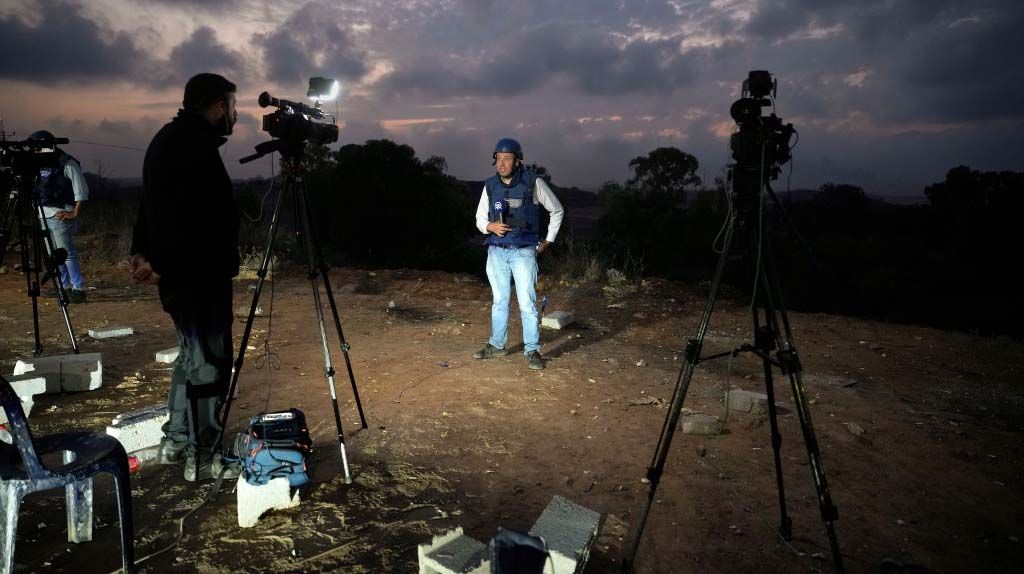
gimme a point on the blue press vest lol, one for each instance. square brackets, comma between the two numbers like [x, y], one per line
[521, 211]
[54, 189]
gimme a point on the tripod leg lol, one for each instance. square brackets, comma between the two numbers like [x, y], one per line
[31, 279]
[312, 274]
[785, 522]
[322, 267]
[693, 349]
[53, 271]
[236, 368]
[789, 361]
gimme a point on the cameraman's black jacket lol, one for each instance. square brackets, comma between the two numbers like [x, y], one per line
[188, 220]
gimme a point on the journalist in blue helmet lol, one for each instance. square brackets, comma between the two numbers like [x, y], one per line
[61, 189]
[509, 215]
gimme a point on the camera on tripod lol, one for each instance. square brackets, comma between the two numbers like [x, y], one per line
[293, 123]
[26, 157]
[761, 146]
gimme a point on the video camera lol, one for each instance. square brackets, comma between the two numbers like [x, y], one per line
[293, 121]
[761, 146]
[292, 124]
[25, 157]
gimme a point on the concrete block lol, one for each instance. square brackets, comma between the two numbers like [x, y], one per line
[71, 373]
[28, 385]
[111, 332]
[746, 401]
[701, 424]
[243, 310]
[147, 455]
[139, 429]
[556, 320]
[454, 553]
[254, 501]
[167, 355]
[569, 530]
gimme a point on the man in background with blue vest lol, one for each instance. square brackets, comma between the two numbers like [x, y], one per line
[61, 189]
[509, 214]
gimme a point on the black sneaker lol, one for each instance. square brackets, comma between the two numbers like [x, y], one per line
[489, 352]
[170, 451]
[76, 296]
[534, 361]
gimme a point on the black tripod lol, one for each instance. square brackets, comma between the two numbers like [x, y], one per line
[292, 155]
[773, 343]
[37, 252]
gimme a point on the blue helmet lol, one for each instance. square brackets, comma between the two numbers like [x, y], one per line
[508, 145]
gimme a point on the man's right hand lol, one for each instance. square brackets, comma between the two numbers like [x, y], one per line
[142, 271]
[499, 229]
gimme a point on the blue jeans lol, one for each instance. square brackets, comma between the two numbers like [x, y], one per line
[63, 233]
[504, 266]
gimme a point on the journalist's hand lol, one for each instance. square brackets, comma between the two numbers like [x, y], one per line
[499, 229]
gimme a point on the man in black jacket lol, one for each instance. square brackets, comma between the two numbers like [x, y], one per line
[186, 243]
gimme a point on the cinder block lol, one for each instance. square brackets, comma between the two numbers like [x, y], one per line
[454, 553]
[111, 332]
[569, 530]
[167, 355]
[243, 310]
[139, 429]
[28, 385]
[746, 401]
[701, 424]
[556, 320]
[83, 372]
[254, 501]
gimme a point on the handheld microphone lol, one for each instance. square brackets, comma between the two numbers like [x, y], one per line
[499, 209]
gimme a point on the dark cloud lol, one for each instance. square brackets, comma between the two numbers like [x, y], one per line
[64, 46]
[311, 42]
[201, 52]
[928, 60]
[212, 5]
[590, 58]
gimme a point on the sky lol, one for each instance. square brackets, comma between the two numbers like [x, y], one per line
[885, 94]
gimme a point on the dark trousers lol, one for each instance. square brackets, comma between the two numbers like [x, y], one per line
[202, 372]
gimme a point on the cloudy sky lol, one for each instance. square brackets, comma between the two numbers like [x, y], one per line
[888, 94]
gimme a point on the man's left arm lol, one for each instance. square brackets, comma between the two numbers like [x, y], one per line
[73, 172]
[547, 198]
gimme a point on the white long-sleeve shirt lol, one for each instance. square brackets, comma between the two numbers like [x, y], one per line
[542, 194]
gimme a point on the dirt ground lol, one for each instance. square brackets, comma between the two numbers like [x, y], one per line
[934, 479]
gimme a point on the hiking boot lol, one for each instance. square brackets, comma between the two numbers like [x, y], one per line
[210, 467]
[489, 352]
[170, 451]
[534, 361]
[76, 296]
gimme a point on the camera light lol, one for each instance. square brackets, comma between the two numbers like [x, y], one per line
[323, 89]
